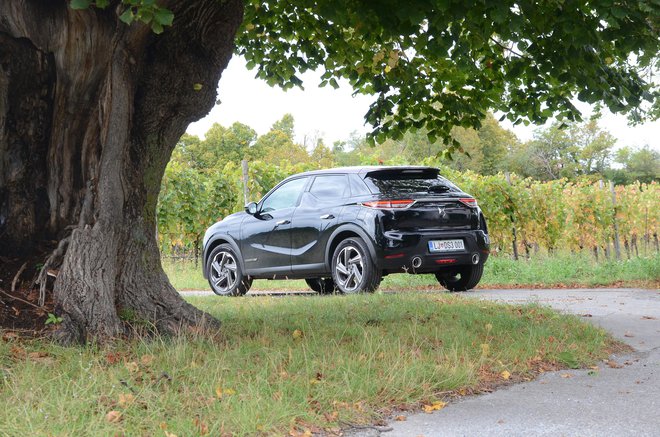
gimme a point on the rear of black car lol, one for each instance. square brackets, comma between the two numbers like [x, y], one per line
[342, 229]
[423, 223]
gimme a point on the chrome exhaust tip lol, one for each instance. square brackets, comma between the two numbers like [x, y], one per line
[475, 258]
[416, 262]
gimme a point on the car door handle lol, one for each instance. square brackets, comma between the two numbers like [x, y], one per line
[283, 222]
[327, 216]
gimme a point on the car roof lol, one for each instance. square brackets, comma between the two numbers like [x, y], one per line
[363, 169]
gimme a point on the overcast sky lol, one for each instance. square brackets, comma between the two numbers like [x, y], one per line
[334, 113]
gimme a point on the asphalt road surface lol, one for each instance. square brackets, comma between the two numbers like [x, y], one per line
[611, 402]
[623, 400]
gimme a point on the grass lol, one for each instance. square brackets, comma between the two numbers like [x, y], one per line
[543, 270]
[286, 364]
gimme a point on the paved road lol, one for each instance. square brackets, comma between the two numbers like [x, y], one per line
[614, 402]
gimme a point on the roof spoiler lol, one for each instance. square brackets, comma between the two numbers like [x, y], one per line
[404, 173]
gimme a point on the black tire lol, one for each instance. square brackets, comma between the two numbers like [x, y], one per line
[353, 269]
[321, 285]
[224, 272]
[461, 278]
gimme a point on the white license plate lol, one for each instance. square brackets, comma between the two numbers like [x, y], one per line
[446, 245]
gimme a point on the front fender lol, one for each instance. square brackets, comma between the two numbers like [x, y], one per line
[215, 241]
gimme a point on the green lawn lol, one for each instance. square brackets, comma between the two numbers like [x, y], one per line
[565, 269]
[283, 364]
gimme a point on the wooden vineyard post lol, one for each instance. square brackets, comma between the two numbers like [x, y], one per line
[617, 245]
[244, 165]
[606, 244]
[513, 224]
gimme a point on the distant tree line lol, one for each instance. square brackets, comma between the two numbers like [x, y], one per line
[563, 150]
[553, 195]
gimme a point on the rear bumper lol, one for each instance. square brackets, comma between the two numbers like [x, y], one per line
[409, 252]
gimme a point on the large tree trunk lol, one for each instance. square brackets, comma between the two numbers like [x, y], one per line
[88, 137]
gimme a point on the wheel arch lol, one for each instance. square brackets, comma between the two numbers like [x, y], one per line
[344, 232]
[214, 242]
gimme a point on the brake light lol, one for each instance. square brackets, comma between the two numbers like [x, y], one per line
[389, 204]
[469, 202]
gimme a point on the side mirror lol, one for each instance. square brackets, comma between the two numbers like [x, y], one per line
[251, 208]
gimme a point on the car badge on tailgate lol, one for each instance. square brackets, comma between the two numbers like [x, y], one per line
[443, 214]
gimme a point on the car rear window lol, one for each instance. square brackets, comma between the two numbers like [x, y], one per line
[408, 181]
[329, 187]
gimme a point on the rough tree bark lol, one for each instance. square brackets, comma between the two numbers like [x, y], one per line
[90, 111]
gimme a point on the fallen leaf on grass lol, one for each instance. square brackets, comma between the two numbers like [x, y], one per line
[201, 426]
[113, 416]
[132, 366]
[435, 406]
[297, 334]
[220, 392]
[126, 399]
[18, 352]
[42, 357]
[146, 360]
[331, 417]
[113, 357]
[505, 374]
[7, 336]
[163, 426]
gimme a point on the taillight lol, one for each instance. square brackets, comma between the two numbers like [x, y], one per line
[469, 202]
[389, 204]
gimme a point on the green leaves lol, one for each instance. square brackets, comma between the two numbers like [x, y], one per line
[127, 16]
[79, 4]
[149, 13]
[454, 61]
[145, 11]
[164, 17]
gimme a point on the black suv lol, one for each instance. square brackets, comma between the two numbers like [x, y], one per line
[343, 229]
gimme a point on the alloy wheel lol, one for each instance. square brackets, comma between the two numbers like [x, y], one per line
[349, 269]
[224, 275]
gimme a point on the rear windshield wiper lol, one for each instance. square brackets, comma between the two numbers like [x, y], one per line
[438, 189]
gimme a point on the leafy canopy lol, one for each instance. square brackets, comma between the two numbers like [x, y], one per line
[435, 64]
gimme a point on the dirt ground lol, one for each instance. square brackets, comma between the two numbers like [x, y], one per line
[19, 297]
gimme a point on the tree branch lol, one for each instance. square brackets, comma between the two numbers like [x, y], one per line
[509, 49]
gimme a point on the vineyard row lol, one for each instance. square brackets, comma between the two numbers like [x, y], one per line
[524, 216]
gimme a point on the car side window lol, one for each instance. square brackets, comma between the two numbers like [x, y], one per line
[330, 187]
[286, 196]
[358, 187]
